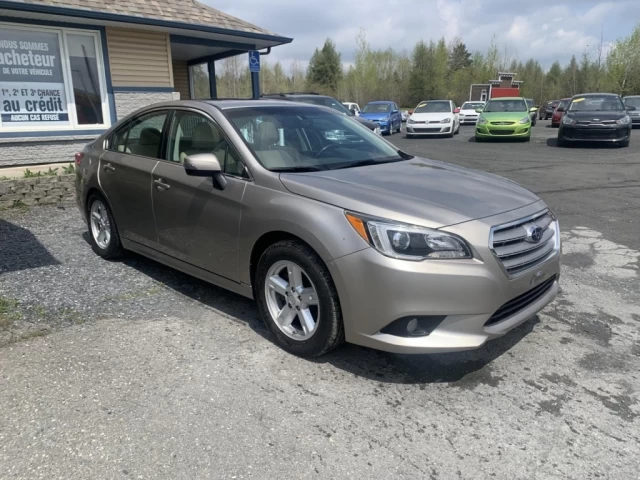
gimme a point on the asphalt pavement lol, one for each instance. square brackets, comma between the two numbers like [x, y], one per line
[132, 370]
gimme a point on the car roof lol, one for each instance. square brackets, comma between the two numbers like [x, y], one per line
[631, 96]
[381, 101]
[596, 95]
[507, 98]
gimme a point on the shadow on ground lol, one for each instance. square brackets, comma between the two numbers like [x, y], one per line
[21, 250]
[553, 142]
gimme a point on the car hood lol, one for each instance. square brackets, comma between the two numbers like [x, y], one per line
[430, 117]
[505, 116]
[468, 112]
[594, 116]
[417, 191]
[367, 123]
[375, 116]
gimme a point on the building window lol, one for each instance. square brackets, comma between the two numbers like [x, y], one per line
[51, 79]
[199, 81]
[483, 96]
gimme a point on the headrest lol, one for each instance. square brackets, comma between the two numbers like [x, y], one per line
[150, 136]
[268, 134]
[205, 134]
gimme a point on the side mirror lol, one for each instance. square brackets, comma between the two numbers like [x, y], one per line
[394, 111]
[456, 110]
[631, 108]
[533, 109]
[205, 165]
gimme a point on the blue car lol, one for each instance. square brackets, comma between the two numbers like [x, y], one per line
[384, 113]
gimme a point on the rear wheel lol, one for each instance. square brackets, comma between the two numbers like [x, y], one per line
[298, 300]
[103, 234]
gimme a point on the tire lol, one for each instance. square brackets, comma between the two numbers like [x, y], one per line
[328, 331]
[479, 139]
[457, 132]
[528, 139]
[562, 143]
[103, 233]
[624, 144]
[399, 127]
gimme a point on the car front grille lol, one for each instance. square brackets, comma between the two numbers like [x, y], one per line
[515, 246]
[521, 302]
[597, 134]
[501, 132]
[502, 123]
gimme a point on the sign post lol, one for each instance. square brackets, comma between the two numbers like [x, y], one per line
[254, 68]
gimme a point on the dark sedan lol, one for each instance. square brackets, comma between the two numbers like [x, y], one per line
[595, 117]
[325, 101]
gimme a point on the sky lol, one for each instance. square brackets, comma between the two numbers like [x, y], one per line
[541, 29]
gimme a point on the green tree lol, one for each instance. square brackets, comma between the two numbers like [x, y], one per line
[459, 56]
[325, 68]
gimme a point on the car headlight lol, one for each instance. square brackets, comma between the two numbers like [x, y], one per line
[377, 131]
[624, 120]
[445, 120]
[482, 120]
[410, 121]
[567, 120]
[408, 242]
[525, 120]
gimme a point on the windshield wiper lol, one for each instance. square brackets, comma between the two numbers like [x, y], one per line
[366, 163]
[299, 169]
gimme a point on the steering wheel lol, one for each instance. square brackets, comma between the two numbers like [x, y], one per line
[327, 147]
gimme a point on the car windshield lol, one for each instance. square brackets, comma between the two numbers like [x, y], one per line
[377, 108]
[596, 103]
[632, 102]
[471, 106]
[299, 138]
[433, 107]
[515, 105]
[326, 102]
[563, 105]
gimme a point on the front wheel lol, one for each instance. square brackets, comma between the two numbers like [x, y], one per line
[624, 144]
[298, 300]
[562, 142]
[103, 234]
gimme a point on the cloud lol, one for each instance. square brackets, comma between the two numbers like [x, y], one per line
[546, 30]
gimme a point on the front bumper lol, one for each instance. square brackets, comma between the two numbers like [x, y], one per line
[577, 133]
[635, 120]
[376, 290]
[489, 130]
[468, 119]
[429, 128]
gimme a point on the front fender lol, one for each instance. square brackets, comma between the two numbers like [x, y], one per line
[323, 227]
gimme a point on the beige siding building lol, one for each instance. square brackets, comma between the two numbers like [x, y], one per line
[69, 69]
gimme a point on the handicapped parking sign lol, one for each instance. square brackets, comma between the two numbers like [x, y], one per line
[254, 61]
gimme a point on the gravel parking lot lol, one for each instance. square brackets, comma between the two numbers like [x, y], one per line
[132, 370]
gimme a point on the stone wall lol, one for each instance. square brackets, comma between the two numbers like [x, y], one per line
[47, 190]
[128, 102]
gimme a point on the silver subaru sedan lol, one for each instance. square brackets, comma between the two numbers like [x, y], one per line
[337, 234]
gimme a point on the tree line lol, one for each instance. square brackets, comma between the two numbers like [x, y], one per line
[433, 70]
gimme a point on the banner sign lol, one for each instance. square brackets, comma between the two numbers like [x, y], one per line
[32, 90]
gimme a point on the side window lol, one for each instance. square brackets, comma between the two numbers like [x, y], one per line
[145, 135]
[118, 139]
[192, 133]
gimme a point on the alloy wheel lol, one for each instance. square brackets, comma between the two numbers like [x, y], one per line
[292, 300]
[100, 225]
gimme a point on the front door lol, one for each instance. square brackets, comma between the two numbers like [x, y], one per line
[125, 175]
[196, 222]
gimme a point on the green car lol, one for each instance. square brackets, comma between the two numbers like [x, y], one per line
[508, 117]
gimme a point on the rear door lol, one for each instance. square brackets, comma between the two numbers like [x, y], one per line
[125, 175]
[196, 222]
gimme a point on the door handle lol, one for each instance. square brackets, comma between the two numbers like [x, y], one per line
[109, 168]
[161, 186]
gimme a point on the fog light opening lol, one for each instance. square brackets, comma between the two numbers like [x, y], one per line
[418, 326]
[412, 326]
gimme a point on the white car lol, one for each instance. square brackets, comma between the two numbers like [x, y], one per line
[354, 107]
[434, 117]
[468, 112]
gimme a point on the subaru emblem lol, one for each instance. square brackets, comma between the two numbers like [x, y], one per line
[534, 234]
